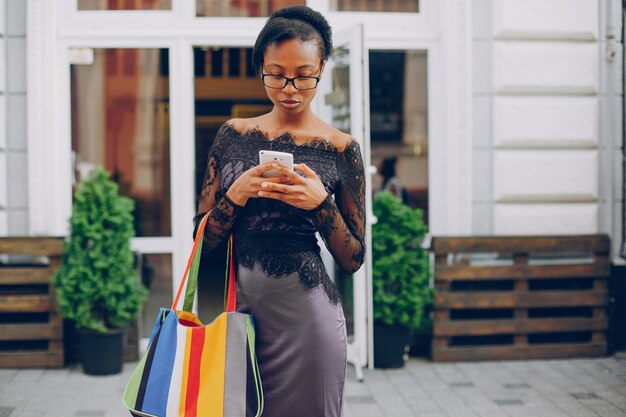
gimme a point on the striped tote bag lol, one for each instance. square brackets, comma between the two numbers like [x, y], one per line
[196, 370]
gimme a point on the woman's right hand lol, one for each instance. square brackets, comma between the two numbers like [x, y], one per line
[249, 183]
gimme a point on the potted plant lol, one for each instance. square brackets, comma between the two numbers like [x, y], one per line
[401, 275]
[96, 286]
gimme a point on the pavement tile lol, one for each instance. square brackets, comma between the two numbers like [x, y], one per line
[585, 396]
[508, 401]
[26, 413]
[461, 412]
[571, 406]
[408, 387]
[615, 398]
[461, 384]
[366, 410]
[7, 374]
[605, 410]
[478, 402]
[423, 405]
[360, 399]
[516, 385]
[6, 411]
[27, 376]
[390, 400]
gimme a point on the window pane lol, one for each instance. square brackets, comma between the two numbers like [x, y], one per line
[242, 8]
[124, 4]
[406, 6]
[399, 123]
[120, 121]
[225, 87]
[156, 275]
[220, 95]
[339, 99]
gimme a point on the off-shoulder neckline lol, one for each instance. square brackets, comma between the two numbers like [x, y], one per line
[318, 142]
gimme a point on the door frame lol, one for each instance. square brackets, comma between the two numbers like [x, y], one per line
[55, 26]
[353, 38]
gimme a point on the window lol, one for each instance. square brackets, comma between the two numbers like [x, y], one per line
[398, 97]
[242, 8]
[124, 4]
[403, 6]
[399, 122]
[156, 275]
[120, 122]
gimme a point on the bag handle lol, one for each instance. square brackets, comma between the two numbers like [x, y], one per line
[230, 288]
[191, 273]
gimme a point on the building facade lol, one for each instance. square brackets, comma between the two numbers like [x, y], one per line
[505, 115]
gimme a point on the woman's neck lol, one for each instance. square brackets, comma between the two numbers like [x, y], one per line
[299, 121]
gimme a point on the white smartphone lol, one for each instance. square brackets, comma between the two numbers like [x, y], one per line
[283, 158]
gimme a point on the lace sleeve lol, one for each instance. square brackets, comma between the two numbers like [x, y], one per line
[342, 220]
[212, 197]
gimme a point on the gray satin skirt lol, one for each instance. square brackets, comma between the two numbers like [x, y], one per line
[301, 344]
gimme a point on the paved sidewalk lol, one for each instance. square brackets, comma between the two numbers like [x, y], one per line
[557, 388]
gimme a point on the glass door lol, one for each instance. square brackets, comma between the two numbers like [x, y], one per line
[345, 96]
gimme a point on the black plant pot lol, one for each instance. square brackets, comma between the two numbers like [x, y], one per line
[421, 341]
[390, 345]
[102, 353]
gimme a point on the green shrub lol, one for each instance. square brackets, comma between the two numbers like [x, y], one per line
[97, 286]
[401, 268]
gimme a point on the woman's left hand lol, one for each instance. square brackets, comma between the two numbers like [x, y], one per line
[306, 192]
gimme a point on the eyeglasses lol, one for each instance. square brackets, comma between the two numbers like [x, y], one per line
[280, 82]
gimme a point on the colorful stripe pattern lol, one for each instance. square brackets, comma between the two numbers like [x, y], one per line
[192, 370]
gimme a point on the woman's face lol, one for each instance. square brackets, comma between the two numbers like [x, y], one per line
[291, 58]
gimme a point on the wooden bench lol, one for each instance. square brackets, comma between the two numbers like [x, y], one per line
[520, 297]
[31, 330]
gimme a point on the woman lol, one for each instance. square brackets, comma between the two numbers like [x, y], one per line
[281, 280]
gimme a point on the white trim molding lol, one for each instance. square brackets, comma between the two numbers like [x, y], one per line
[4, 229]
[49, 199]
[450, 168]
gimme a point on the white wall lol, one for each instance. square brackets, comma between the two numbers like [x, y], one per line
[547, 118]
[13, 163]
[482, 104]
[3, 131]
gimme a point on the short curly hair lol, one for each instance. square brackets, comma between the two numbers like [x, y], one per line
[294, 22]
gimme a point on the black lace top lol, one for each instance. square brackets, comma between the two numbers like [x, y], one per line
[279, 236]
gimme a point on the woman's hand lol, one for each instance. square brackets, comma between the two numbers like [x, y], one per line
[306, 192]
[249, 183]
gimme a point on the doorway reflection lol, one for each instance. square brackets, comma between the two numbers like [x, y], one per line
[225, 87]
[399, 121]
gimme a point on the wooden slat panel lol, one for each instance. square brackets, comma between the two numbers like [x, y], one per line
[464, 272]
[492, 327]
[31, 359]
[21, 277]
[519, 298]
[547, 351]
[598, 243]
[512, 299]
[27, 303]
[16, 276]
[36, 246]
[25, 331]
